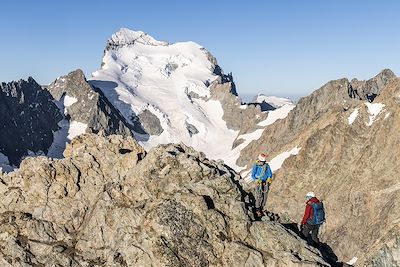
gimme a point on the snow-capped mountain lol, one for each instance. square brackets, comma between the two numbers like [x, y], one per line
[175, 93]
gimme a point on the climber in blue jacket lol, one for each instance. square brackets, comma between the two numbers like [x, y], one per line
[261, 173]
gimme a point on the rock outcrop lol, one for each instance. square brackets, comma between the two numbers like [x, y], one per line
[28, 118]
[108, 204]
[368, 90]
[90, 106]
[243, 118]
[237, 116]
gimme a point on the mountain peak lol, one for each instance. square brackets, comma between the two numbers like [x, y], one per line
[127, 37]
[385, 75]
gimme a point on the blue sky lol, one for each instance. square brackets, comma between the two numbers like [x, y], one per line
[273, 47]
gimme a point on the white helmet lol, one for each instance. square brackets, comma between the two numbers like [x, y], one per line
[262, 157]
[310, 195]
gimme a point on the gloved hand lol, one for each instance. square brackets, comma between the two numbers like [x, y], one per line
[269, 181]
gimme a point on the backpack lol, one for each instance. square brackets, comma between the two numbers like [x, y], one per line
[318, 214]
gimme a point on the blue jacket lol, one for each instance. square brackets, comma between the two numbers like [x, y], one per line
[261, 171]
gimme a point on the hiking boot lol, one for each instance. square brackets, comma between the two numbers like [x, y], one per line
[259, 213]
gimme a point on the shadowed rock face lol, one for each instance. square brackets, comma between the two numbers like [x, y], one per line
[150, 123]
[352, 167]
[107, 203]
[91, 106]
[28, 118]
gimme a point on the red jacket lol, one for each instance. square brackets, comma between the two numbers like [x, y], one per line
[308, 213]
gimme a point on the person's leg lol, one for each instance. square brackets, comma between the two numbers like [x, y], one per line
[314, 234]
[265, 196]
[258, 195]
[305, 231]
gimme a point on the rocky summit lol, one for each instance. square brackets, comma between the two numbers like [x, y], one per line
[88, 105]
[109, 203]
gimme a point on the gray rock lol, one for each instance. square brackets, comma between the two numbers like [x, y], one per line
[353, 168]
[264, 106]
[243, 120]
[28, 118]
[107, 203]
[92, 107]
[388, 254]
[368, 90]
[191, 128]
[150, 123]
[223, 89]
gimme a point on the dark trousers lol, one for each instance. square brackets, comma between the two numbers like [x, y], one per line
[313, 229]
[261, 195]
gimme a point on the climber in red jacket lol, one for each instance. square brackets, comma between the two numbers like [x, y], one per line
[314, 216]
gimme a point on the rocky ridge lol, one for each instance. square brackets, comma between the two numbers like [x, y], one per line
[107, 203]
[28, 118]
[352, 164]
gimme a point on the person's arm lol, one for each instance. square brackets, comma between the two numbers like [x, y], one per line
[254, 172]
[307, 214]
[269, 172]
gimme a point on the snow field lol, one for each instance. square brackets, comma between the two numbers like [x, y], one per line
[172, 82]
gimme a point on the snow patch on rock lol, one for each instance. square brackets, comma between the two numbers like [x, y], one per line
[277, 114]
[231, 158]
[76, 128]
[353, 116]
[373, 109]
[69, 100]
[352, 261]
[64, 135]
[274, 101]
[276, 163]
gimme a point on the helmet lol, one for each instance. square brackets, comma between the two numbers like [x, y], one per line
[310, 195]
[262, 157]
